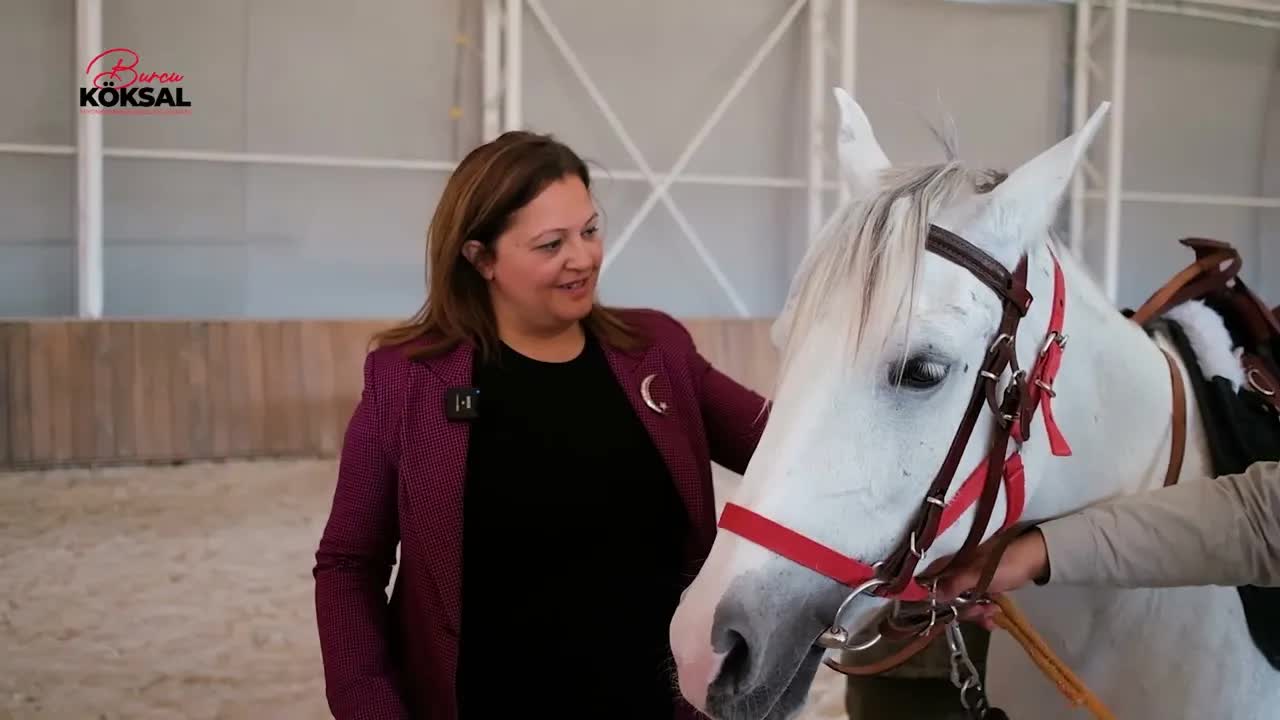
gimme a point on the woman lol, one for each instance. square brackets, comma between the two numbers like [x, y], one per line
[543, 461]
[1223, 531]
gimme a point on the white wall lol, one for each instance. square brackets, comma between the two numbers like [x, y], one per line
[1198, 96]
[1269, 220]
[317, 76]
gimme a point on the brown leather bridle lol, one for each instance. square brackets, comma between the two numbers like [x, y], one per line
[1015, 409]
[1212, 275]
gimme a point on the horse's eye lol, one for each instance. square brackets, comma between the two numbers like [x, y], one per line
[923, 373]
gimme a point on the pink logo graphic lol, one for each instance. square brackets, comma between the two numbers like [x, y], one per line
[119, 87]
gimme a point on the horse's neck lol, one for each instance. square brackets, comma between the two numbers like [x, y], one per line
[1114, 405]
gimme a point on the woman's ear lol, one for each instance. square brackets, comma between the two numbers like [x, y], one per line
[476, 254]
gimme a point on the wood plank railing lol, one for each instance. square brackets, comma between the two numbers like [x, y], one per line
[76, 392]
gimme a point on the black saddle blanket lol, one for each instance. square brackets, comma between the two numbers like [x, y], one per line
[1242, 429]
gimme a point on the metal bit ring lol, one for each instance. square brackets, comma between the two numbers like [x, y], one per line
[836, 637]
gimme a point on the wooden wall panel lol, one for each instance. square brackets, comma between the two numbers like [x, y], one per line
[20, 419]
[739, 348]
[246, 350]
[133, 391]
[275, 416]
[156, 378]
[141, 386]
[116, 436]
[6, 396]
[178, 337]
[104, 347]
[320, 390]
[218, 373]
[196, 378]
[40, 353]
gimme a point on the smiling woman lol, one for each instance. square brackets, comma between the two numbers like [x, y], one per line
[514, 248]
[548, 269]
[543, 461]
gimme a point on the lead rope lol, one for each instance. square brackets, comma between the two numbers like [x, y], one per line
[1011, 619]
[967, 679]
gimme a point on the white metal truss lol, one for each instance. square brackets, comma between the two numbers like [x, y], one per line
[89, 184]
[1256, 13]
[1084, 70]
[1108, 186]
[511, 26]
[818, 97]
[848, 67]
[660, 188]
[502, 108]
[490, 75]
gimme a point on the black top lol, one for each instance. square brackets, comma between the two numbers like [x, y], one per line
[572, 548]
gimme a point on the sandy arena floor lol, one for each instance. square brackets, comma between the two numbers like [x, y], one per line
[174, 592]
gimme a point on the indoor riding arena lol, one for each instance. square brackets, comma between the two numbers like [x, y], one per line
[209, 209]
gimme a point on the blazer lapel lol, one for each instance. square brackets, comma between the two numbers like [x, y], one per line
[435, 455]
[645, 381]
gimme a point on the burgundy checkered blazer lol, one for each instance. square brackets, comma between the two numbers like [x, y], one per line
[400, 479]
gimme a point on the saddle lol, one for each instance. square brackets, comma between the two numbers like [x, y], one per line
[1242, 425]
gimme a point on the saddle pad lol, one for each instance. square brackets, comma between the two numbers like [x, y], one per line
[1242, 429]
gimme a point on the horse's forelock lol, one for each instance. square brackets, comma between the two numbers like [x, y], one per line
[876, 245]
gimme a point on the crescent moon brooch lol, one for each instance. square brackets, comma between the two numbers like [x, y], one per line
[658, 407]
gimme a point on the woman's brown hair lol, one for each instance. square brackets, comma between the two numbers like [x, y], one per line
[486, 189]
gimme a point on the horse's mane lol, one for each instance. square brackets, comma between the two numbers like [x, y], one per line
[870, 254]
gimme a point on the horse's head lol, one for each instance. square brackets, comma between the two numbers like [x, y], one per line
[881, 345]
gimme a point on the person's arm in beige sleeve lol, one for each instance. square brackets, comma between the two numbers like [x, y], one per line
[1222, 531]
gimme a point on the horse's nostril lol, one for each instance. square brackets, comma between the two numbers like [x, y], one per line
[736, 667]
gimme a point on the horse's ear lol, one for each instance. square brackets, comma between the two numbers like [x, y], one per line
[861, 158]
[1022, 207]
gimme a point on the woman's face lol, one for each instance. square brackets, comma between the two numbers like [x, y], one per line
[542, 273]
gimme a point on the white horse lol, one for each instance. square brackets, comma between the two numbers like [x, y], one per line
[881, 344]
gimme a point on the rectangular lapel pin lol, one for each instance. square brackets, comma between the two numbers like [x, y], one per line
[462, 403]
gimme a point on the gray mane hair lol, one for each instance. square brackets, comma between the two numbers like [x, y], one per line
[870, 253]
